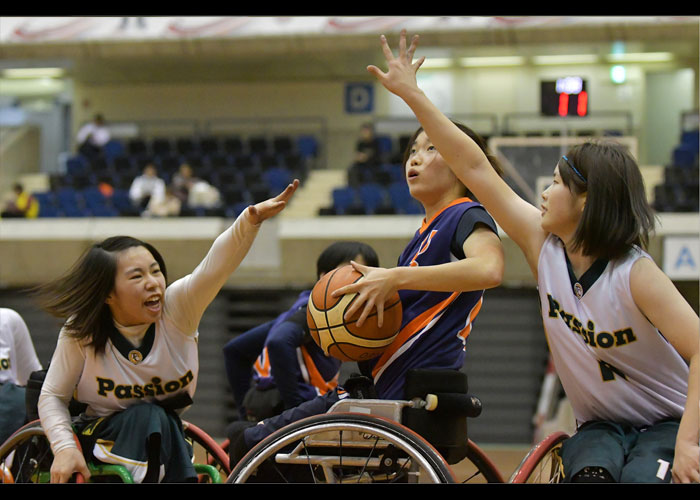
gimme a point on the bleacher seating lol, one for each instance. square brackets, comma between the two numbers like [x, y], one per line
[245, 170]
[679, 190]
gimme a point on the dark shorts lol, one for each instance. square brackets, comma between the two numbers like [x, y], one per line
[13, 414]
[145, 438]
[630, 455]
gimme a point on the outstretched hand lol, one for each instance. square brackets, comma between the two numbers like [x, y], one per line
[401, 75]
[269, 208]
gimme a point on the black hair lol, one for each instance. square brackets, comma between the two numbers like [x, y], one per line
[344, 251]
[617, 213]
[79, 296]
[474, 136]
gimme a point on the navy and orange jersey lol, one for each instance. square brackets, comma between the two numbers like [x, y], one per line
[318, 373]
[435, 325]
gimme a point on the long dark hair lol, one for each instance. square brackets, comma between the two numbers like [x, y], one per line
[617, 213]
[78, 297]
[474, 136]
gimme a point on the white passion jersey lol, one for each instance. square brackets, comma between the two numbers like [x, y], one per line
[163, 368]
[612, 362]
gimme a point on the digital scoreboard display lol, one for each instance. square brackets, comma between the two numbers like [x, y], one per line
[564, 97]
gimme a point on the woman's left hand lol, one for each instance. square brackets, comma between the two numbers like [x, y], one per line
[269, 208]
[373, 290]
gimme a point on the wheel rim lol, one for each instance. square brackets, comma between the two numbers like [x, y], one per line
[368, 453]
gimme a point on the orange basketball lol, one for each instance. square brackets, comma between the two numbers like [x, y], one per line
[342, 338]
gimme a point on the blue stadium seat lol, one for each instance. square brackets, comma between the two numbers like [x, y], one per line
[277, 178]
[402, 200]
[282, 144]
[345, 199]
[96, 203]
[185, 146]
[373, 196]
[232, 145]
[122, 203]
[47, 204]
[258, 145]
[386, 145]
[691, 138]
[307, 145]
[160, 146]
[208, 145]
[70, 203]
[77, 165]
[113, 148]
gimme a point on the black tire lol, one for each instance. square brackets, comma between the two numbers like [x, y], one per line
[342, 448]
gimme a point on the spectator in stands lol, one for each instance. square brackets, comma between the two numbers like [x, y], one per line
[24, 204]
[183, 181]
[167, 206]
[92, 137]
[146, 186]
[367, 154]
[17, 360]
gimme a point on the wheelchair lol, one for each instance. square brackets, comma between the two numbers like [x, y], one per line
[416, 440]
[26, 457]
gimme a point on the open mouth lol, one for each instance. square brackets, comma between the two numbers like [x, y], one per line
[153, 303]
[412, 174]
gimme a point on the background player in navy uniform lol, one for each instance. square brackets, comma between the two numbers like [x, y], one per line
[441, 274]
[287, 367]
[623, 340]
[128, 350]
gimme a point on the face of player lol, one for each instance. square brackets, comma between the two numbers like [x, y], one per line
[430, 180]
[561, 209]
[139, 288]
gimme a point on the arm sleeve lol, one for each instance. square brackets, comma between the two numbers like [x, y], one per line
[469, 221]
[57, 390]
[187, 298]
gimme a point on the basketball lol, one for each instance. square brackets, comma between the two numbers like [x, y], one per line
[343, 339]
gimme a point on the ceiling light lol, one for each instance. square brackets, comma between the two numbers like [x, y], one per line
[566, 59]
[437, 62]
[32, 72]
[491, 61]
[640, 57]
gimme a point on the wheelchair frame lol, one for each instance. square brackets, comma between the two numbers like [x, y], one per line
[391, 452]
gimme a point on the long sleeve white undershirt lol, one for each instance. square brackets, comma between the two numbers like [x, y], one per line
[185, 302]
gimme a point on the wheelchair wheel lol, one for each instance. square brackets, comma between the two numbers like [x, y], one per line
[208, 452]
[343, 448]
[543, 463]
[477, 467]
[26, 456]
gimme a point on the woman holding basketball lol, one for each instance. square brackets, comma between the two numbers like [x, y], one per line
[623, 340]
[441, 276]
[128, 350]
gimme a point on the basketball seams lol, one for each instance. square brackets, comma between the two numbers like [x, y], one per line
[340, 338]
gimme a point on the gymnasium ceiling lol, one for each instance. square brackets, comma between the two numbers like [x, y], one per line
[342, 57]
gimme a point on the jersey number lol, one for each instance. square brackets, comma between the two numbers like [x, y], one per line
[608, 371]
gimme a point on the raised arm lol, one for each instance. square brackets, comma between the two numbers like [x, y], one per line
[187, 298]
[518, 218]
